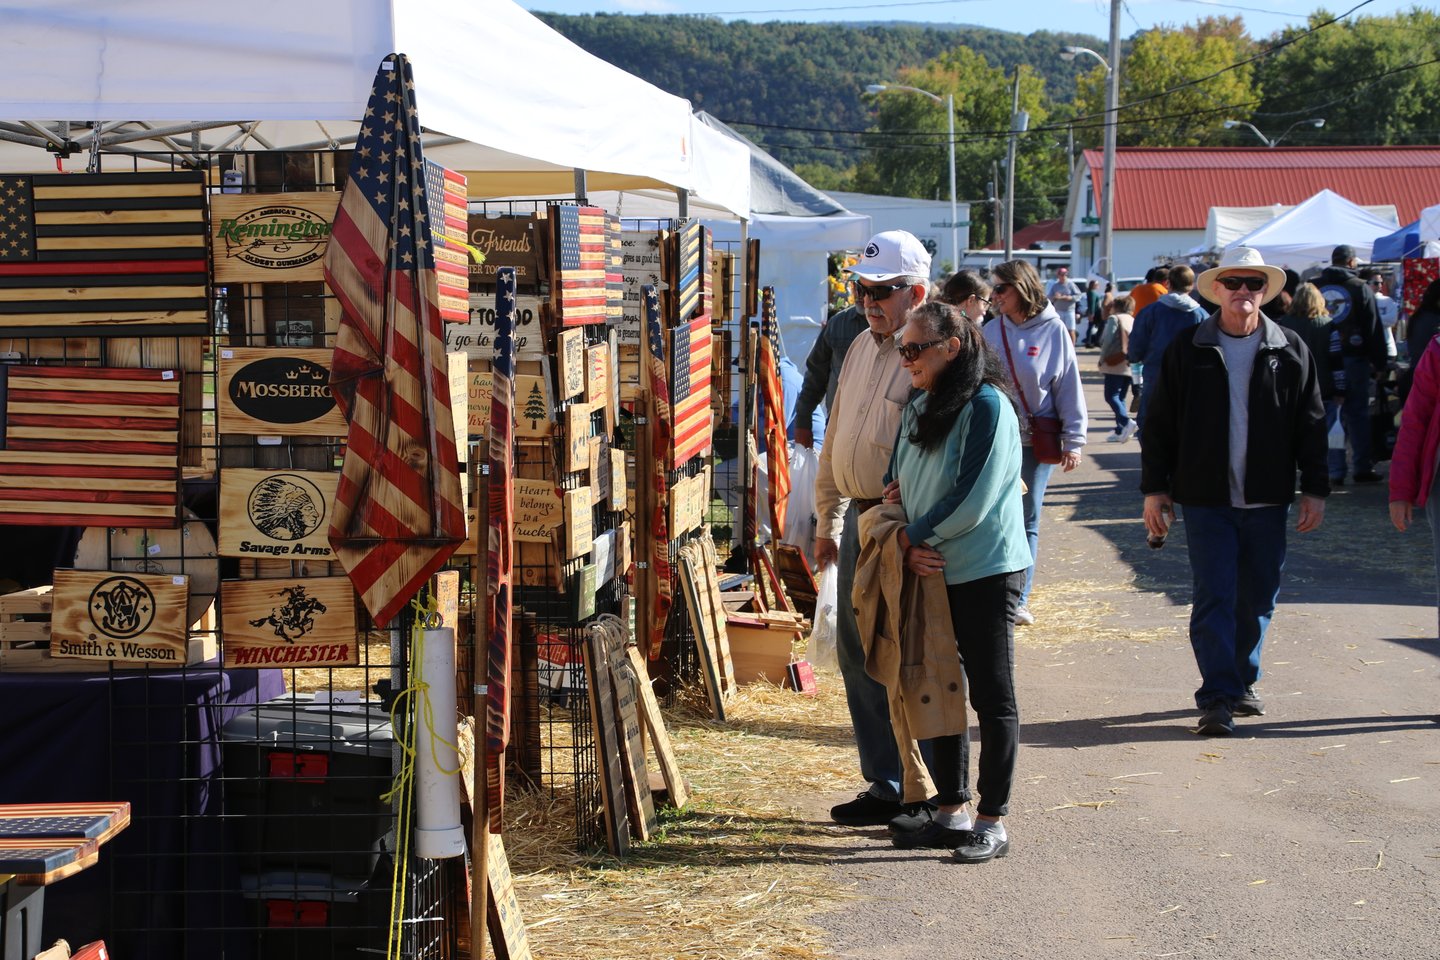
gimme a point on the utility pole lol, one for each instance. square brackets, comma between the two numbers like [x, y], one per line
[993, 199]
[1010, 171]
[1112, 109]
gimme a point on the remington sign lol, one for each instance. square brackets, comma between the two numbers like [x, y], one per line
[270, 237]
[506, 242]
[277, 392]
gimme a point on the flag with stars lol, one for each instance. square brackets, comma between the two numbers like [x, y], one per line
[580, 292]
[449, 216]
[108, 253]
[660, 431]
[777, 447]
[498, 561]
[398, 511]
[690, 395]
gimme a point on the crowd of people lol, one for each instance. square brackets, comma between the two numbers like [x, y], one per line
[950, 408]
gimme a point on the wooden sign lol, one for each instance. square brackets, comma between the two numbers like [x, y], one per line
[622, 549]
[687, 504]
[597, 376]
[270, 237]
[534, 413]
[607, 742]
[655, 726]
[281, 392]
[600, 470]
[190, 550]
[276, 514]
[570, 354]
[604, 558]
[638, 801]
[578, 526]
[583, 585]
[103, 615]
[577, 437]
[506, 924]
[459, 402]
[445, 586]
[538, 510]
[641, 266]
[505, 242]
[479, 385]
[289, 622]
[476, 336]
[618, 492]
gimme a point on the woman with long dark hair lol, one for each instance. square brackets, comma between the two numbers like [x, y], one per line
[956, 471]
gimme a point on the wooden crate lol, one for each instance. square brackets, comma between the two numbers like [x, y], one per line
[25, 643]
[760, 646]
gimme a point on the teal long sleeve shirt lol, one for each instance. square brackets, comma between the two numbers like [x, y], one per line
[963, 497]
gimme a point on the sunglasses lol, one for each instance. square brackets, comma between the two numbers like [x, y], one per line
[1000, 288]
[910, 352]
[1253, 284]
[875, 293]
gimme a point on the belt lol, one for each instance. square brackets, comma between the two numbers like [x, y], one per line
[860, 506]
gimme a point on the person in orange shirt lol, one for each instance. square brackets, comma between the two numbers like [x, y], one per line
[1152, 289]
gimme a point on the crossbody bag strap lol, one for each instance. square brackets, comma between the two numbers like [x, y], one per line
[1005, 339]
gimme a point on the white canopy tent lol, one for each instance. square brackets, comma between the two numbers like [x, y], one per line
[505, 99]
[1307, 234]
[1430, 223]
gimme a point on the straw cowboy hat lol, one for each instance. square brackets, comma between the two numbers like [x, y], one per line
[1235, 260]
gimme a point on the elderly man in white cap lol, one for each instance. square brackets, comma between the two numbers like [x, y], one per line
[1236, 412]
[890, 279]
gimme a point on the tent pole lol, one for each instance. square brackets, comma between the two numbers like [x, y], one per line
[682, 200]
[579, 185]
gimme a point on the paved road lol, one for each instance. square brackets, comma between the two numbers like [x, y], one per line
[1312, 833]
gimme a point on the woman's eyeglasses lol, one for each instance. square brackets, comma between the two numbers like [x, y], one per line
[910, 352]
[1253, 284]
[1000, 288]
[875, 293]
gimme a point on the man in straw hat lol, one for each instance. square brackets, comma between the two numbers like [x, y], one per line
[1236, 412]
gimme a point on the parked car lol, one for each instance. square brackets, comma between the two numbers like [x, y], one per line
[1124, 285]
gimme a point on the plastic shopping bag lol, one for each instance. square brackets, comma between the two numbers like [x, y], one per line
[821, 652]
[800, 513]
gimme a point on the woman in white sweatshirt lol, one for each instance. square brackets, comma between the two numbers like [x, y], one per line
[1040, 358]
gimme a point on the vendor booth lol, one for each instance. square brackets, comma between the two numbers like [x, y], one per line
[1306, 235]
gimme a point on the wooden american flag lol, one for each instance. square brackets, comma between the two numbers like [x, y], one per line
[398, 511]
[125, 252]
[660, 429]
[690, 356]
[449, 215]
[692, 272]
[614, 272]
[580, 288]
[89, 447]
[499, 554]
[777, 446]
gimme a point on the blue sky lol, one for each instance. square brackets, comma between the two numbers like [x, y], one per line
[1086, 16]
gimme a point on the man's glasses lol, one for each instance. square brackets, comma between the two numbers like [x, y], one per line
[1253, 284]
[910, 352]
[875, 293]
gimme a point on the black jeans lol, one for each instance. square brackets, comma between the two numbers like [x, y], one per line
[983, 613]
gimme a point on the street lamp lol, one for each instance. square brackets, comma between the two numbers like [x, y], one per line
[948, 101]
[1316, 122]
[1112, 101]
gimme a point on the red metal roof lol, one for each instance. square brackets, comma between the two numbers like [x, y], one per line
[1173, 188]
[1041, 231]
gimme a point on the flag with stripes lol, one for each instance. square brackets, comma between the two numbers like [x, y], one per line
[580, 291]
[660, 430]
[89, 447]
[107, 253]
[773, 392]
[398, 511]
[692, 279]
[499, 555]
[449, 225]
[614, 272]
[690, 395]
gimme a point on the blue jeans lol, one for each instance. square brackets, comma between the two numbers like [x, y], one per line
[1235, 560]
[1037, 477]
[1116, 386]
[1356, 412]
[866, 697]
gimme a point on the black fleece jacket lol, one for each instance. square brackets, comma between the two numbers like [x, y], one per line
[1185, 439]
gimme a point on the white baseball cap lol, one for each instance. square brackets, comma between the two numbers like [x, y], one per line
[894, 253]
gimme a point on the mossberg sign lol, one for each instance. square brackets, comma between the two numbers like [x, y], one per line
[277, 392]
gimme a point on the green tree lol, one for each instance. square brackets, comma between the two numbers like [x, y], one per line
[909, 152]
[1361, 77]
[822, 176]
[1166, 108]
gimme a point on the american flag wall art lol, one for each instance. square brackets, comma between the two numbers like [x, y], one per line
[580, 289]
[449, 222]
[691, 357]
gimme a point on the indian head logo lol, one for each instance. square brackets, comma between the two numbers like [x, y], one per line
[286, 506]
[121, 608]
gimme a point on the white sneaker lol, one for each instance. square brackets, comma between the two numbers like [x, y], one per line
[1131, 428]
[1115, 436]
[1023, 617]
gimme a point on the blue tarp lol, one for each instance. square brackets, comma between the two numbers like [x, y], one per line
[1397, 245]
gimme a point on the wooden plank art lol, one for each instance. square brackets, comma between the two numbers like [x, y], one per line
[477, 398]
[691, 279]
[289, 622]
[89, 446]
[79, 821]
[190, 550]
[618, 487]
[475, 337]
[625, 685]
[277, 392]
[579, 526]
[709, 631]
[43, 861]
[106, 254]
[456, 367]
[505, 242]
[688, 500]
[597, 379]
[534, 413]
[690, 363]
[577, 290]
[538, 510]
[504, 920]
[270, 237]
[641, 266]
[709, 559]
[614, 272]
[607, 742]
[449, 215]
[570, 355]
[277, 514]
[577, 437]
[655, 726]
[794, 572]
[101, 615]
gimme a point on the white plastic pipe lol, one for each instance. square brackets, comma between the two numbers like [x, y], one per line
[437, 767]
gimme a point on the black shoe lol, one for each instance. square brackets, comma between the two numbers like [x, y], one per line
[932, 836]
[1369, 476]
[1249, 705]
[980, 847]
[1216, 721]
[915, 817]
[866, 810]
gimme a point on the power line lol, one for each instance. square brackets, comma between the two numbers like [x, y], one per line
[826, 9]
[1233, 6]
